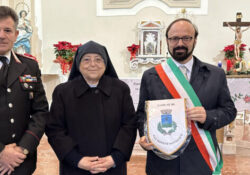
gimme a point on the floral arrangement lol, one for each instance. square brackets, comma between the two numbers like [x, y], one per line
[229, 51]
[232, 62]
[133, 50]
[65, 53]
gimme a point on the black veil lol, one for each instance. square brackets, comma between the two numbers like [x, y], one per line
[92, 47]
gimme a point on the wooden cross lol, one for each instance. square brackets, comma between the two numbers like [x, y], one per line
[238, 22]
[238, 35]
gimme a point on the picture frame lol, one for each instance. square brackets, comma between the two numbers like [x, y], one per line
[150, 41]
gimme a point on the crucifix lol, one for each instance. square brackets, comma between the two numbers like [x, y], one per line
[238, 32]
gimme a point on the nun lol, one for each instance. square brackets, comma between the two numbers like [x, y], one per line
[92, 124]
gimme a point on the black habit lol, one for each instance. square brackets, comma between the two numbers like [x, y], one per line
[92, 121]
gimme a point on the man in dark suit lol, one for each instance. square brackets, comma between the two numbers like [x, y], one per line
[209, 84]
[23, 104]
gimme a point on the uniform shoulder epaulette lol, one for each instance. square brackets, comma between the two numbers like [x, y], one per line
[27, 56]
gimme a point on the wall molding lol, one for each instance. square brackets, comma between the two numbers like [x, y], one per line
[161, 4]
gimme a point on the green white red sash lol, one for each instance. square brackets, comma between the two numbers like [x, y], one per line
[179, 87]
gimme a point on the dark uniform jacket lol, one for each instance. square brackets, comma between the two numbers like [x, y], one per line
[23, 110]
[95, 121]
[209, 83]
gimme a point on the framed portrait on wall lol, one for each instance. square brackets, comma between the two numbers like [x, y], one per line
[150, 42]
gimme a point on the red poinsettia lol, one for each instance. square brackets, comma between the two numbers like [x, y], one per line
[65, 53]
[229, 51]
[133, 50]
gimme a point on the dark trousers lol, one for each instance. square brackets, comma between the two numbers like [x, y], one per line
[158, 166]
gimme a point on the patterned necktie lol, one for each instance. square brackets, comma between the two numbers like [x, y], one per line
[3, 70]
[184, 71]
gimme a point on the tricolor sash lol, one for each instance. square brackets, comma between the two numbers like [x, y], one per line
[179, 87]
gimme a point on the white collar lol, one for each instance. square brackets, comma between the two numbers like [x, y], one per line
[188, 65]
[93, 85]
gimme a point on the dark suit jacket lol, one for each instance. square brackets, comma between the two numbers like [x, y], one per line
[209, 83]
[95, 121]
[23, 115]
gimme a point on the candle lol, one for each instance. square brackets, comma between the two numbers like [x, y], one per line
[249, 65]
[219, 64]
[229, 65]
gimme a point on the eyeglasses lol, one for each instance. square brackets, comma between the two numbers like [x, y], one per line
[185, 39]
[96, 60]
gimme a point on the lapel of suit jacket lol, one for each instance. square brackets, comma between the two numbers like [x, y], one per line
[15, 70]
[199, 74]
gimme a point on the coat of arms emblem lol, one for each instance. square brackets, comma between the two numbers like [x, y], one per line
[167, 126]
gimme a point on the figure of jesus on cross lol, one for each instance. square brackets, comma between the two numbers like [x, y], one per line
[238, 33]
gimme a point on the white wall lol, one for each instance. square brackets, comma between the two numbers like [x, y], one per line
[76, 21]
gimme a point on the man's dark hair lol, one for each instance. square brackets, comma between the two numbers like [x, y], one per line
[182, 19]
[6, 12]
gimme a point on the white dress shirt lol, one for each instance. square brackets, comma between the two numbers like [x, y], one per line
[7, 55]
[188, 65]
